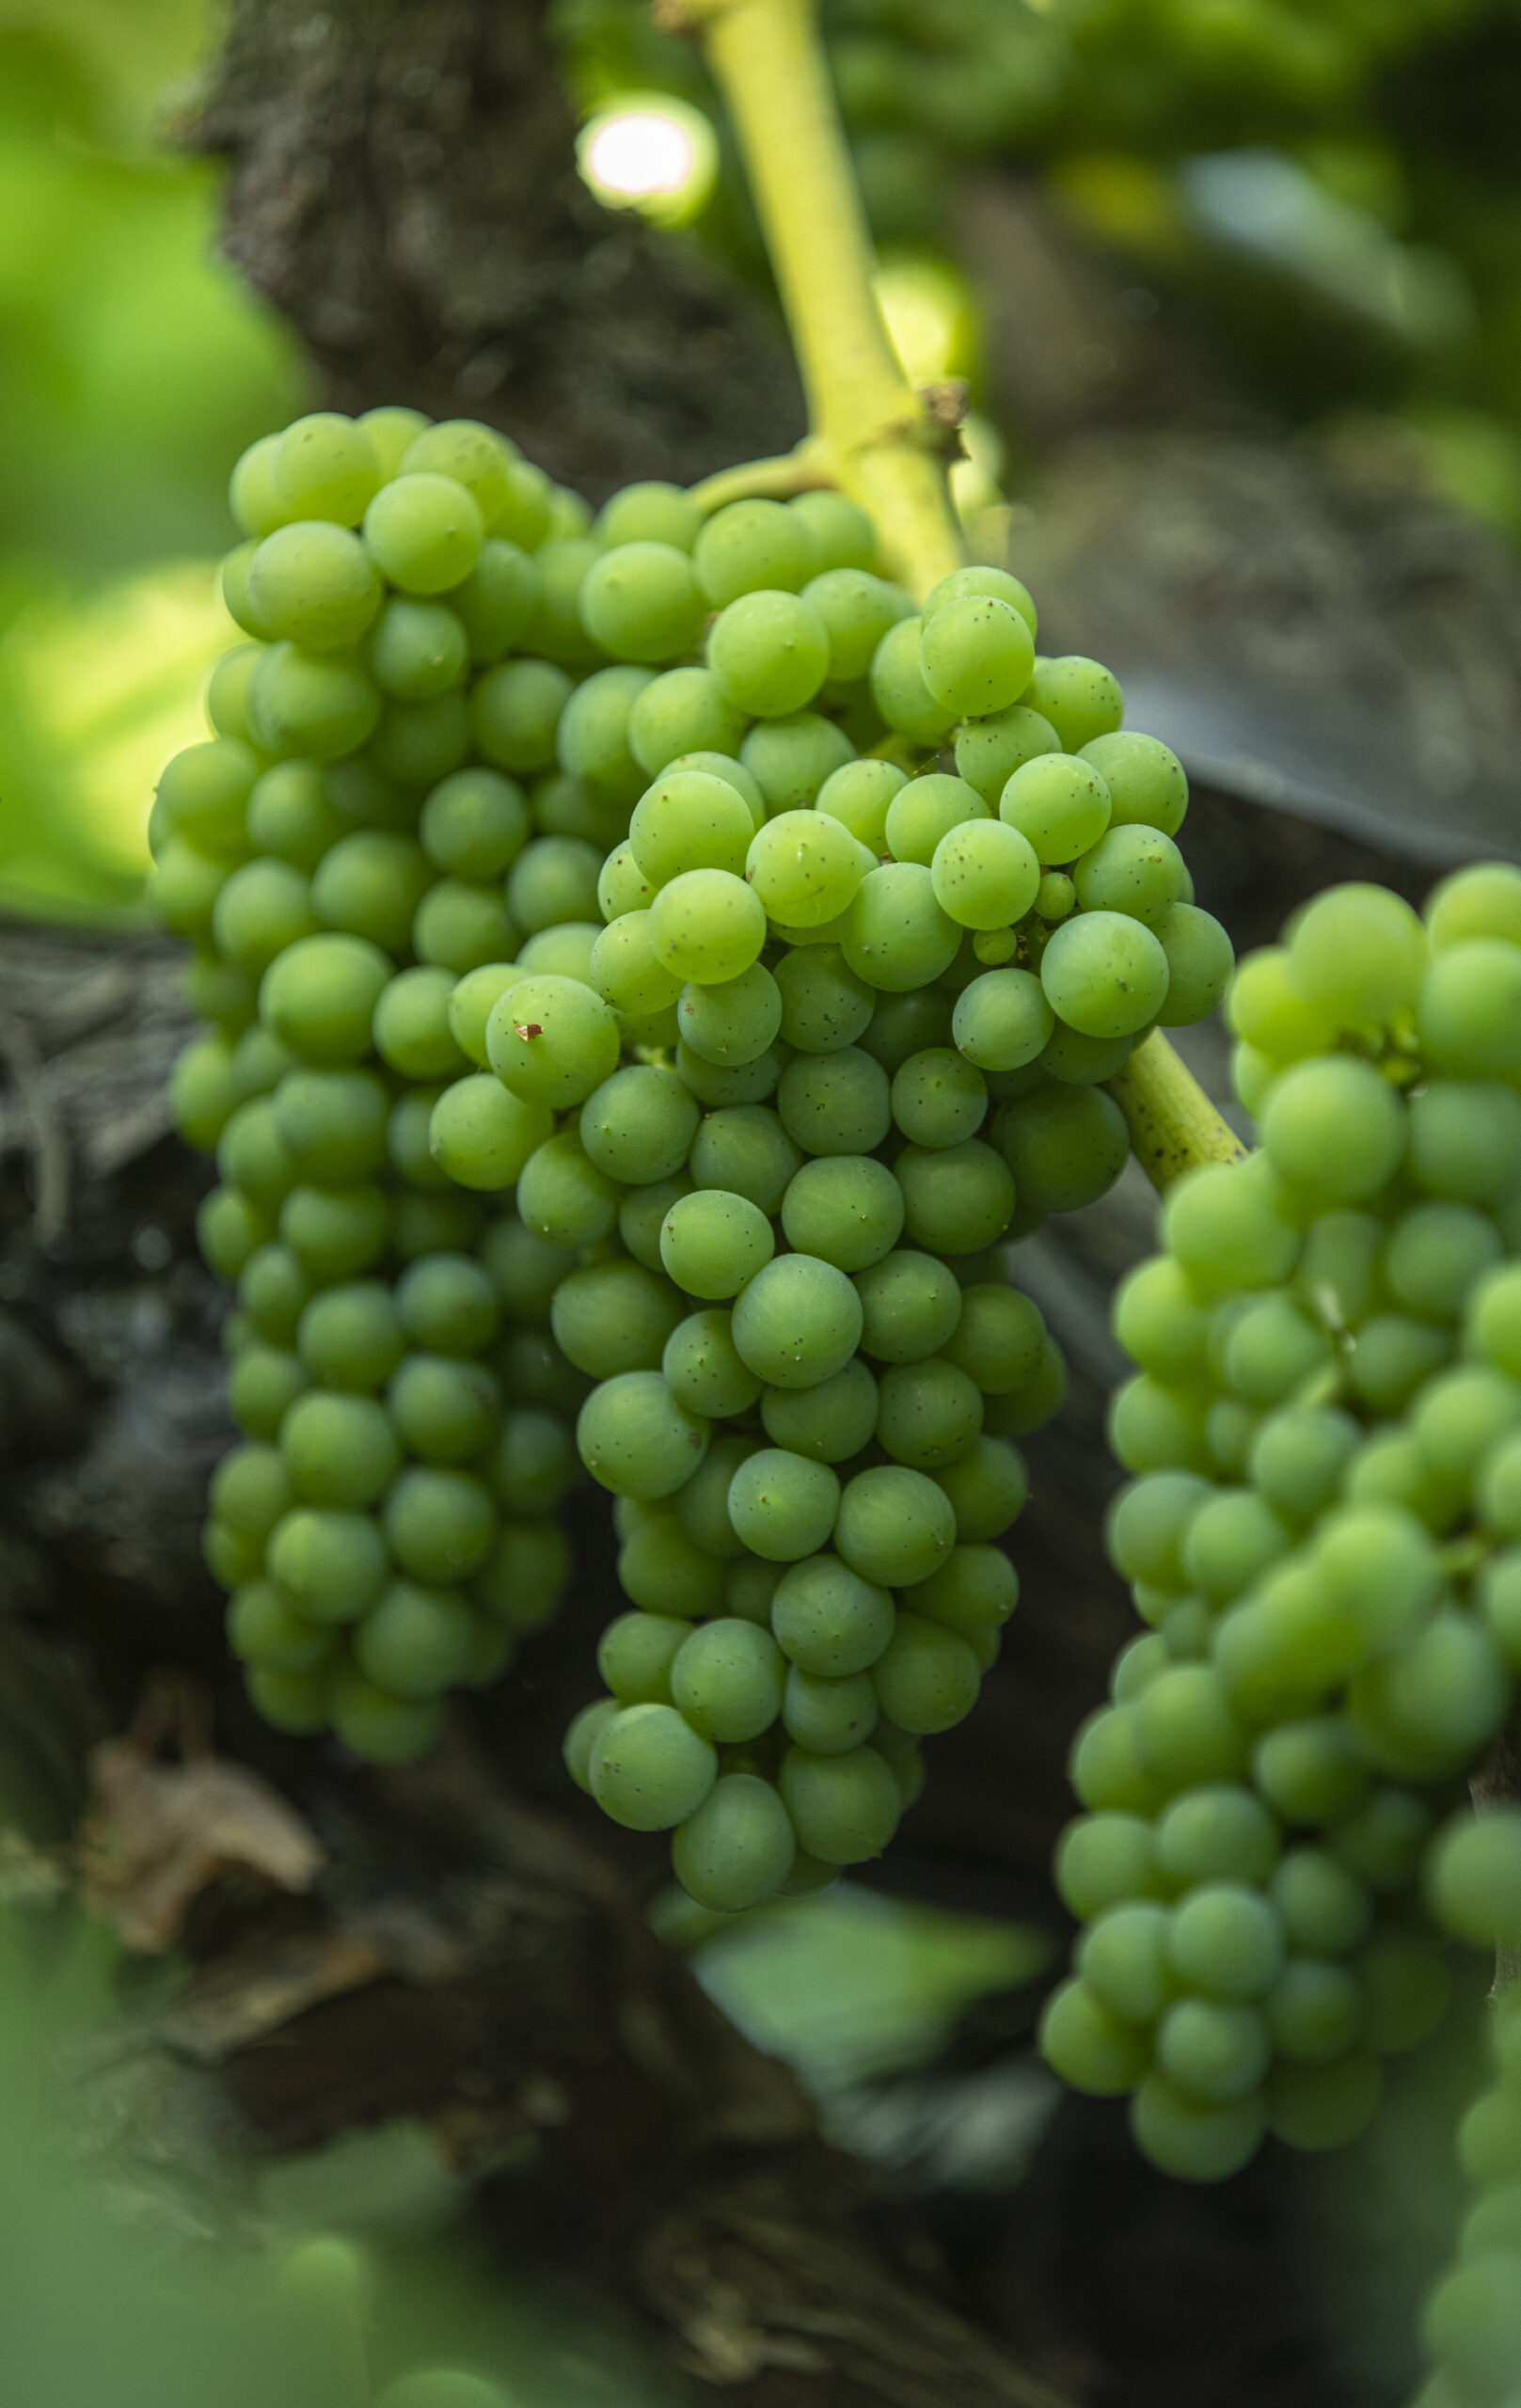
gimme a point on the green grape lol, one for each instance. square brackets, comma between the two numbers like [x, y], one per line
[998, 1339]
[1134, 870]
[703, 1370]
[551, 1041]
[417, 743]
[1090, 2049]
[1152, 1426]
[904, 1024]
[264, 1382]
[858, 608]
[1314, 2012]
[845, 1208]
[987, 1488]
[957, 1198]
[923, 814]
[554, 879]
[214, 990]
[827, 1621]
[895, 1524]
[563, 1196]
[1493, 1320]
[444, 1411]
[639, 1125]
[331, 1124]
[426, 1224]
[635, 1439]
[610, 1317]
[1358, 952]
[789, 758]
[1298, 1458]
[414, 1643]
[231, 1557]
[1158, 1322]
[898, 689]
[1225, 1941]
[1497, 1595]
[744, 1150]
[1323, 2106]
[290, 816]
[834, 1103]
[911, 1306]
[524, 1269]
[1394, 1356]
[860, 795]
[731, 773]
[322, 466]
[894, 934]
[272, 1290]
[1185, 1728]
[1325, 1909]
[1473, 1878]
[474, 824]
[991, 749]
[330, 1564]
[635, 1654]
[1211, 2054]
[384, 1729]
[1335, 1127]
[797, 1322]
[1405, 1990]
[805, 867]
[843, 534]
[1122, 1960]
[1058, 805]
[1218, 1832]
[1104, 1860]
[1200, 961]
[292, 1701]
[649, 1770]
[1222, 1224]
[650, 512]
[1270, 1350]
[438, 1524]
[264, 1629]
[977, 652]
[407, 1147]
[706, 926]
[460, 927]
[703, 1507]
[425, 530]
[314, 584]
[938, 1099]
[318, 997]
[533, 1462]
[737, 1848]
[252, 1158]
[350, 1337]
[483, 1136]
[984, 872]
[250, 1489]
[828, 1717]
[733, 1022]
[642, 1216]
[334, 1232]
[1146, 784]
[640, 601]
[712, 1244]
[768, 652]
[1436, 1253]
[727, 1681]
[1078, 697]
[679, 713]
[556, 631]
[1481, 901]
[722, 1087]
[666, 1572]
[258, 911]
[783, 1505]
[829, 1422]
[253, 497]
[1104, 975]
[338, 1450]
[751, 545]
[844, 1808]
[514, 713]
[1055, 896]
[928, 1413]
[496, 601]
[309, 703]
[689, 821]
[926, 1678]
[524, 1575]
[1002, 1019]
[411, 1029]
[1229, 1543]
[824, 1006]
[624, 969]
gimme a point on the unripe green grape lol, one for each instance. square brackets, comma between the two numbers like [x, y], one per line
[1078, 697]
[1458, 1417]
[524, 1269]
[318, 997]
[722, 1087]
[382, 1729]
[414, 1643]
[1212, 2053]
[1314, 2011]
[706, 926]
[1152, 1426]
[331, 1564]
[1003, 1019]
[734, 1023]
[635, 1654]
[1104, 975]
[445, 1411]
[439, 1525]
[390, 429]
[975, 655]
[253, 497]
[551, 1041]
[1223, 1225]
[514, 712]
[988, 1489]
[898, 689]
[1438, 1252]
[1497, 1595]
[625, 970]
[407, 1145]
[910, 1305]
[292, 1701]
[425, 530]
[985, 874]
[252, 1160]
[1133, 869]
[737, 1848]
[649, 1770]
[264, 1382]
[927, 810]
[834, 1103]
[926, 1678]
[805, 867]
[1217, 1832]
[894, 934]
[938, 1099]
[858, 608]
[338, 1450]
[689, 821]
[203, 1091]
[679, 713]
[318, 705]
[727, 1681]
[1323, 2106]
[998, 1339]
[230, 1556]
[650, 512]
[1090, 2049]
[904, 1025]
[1104, 1860]
[958, 1199]
[1428, 1710]
[1335, 1127]
[844, 1808]
[828, 1717]
[1104, 1764]
[1393, 1357]
[611, 1317]
[250, 1489]
[713, 1242]
[895, 1524]
[928, 1413]
[860, 795]
[1058, 805]
[744, 1150]
[322, 466]
[635, 1439]
[829, 1422]
[203, 794]
[533, 1462]
[642, 601]
[525, 1576]
[1310, 1771]
[472, 456]
[638, 1126]
[1186, 1729]
[290, 817]
[642, 1217]
[703, 1368]
[1229, 1543]
[350, 1338]
[768, 652]
[750, 545]
[666, 1572]
[845, 1208]
[459, 927]
[258, 910]
[314, 584]
[483, 1136]
[427, 1224]
[334, 1232]
[824, 1006]
[1200, 959]
[1225, 1941]
[703, 1506]
[556, 630]
[1122, 1960]
[842, 533]
[797, 1322]
[264, 1630]
[562, 950]
[554, 879]
[271, 1290]
[417, 743]
[781, 1506]
[1325, 1909]
[973, 1593]
[332, 1124]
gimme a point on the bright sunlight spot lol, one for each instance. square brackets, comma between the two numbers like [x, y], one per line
[649, 152]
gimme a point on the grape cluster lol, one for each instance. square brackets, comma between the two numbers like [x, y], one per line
[1324, 1536]
[1473, 2322]
[356, 837]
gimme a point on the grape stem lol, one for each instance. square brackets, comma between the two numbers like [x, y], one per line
[803, 469]
[873, 435]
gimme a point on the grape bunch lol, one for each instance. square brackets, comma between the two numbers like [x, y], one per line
[354, 839]
[1322, 1536]
[1472, 2321]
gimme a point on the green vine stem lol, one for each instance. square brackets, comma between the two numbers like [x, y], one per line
[873, 435]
